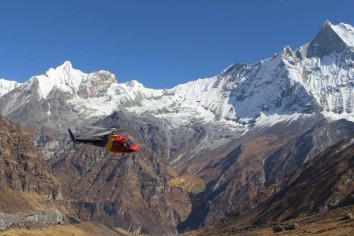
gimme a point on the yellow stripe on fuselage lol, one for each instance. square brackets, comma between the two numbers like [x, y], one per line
[109, 143]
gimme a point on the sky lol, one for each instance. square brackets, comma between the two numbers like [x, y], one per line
[160, 43]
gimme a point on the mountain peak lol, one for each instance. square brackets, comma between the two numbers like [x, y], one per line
[66, 68]
[330, 39]
[66, 64]
[287, 51]
[327, 23]
[64, 77]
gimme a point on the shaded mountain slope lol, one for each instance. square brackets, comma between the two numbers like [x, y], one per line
[262, 155]
[292, 155]
[323, 183]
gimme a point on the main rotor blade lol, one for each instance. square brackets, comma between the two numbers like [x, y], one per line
[100, 128]
[101, 134]
[96, 127]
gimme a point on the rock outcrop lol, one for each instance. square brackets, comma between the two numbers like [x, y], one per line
[28, 188]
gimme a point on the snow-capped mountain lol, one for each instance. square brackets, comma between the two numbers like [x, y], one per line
[7, 85]
[318, 77]
[95, 94]
[62, 97]
[331, 39]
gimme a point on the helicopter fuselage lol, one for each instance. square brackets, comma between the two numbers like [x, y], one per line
[112, 143]
[117, 143]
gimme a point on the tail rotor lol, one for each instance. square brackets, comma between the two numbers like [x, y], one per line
[73, 139]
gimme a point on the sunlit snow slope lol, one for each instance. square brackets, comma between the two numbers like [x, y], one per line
[6, 86]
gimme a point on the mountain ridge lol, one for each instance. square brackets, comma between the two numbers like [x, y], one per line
[220, 98]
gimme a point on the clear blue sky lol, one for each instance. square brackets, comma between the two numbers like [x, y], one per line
[160, 43]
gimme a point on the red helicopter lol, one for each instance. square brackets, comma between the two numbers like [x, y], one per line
[109, 140]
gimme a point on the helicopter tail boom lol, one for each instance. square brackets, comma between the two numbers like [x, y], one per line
[72, 136]
[100, 142]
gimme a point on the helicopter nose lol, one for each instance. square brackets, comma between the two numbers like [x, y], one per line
[134, 148]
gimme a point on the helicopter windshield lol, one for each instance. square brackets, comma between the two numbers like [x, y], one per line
[128, 144]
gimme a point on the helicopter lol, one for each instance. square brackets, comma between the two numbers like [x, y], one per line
[108, 140]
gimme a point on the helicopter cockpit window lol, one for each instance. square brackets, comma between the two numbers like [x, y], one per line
[128, 144]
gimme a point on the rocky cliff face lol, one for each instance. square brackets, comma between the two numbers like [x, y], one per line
[28, 187]
[21, 169]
